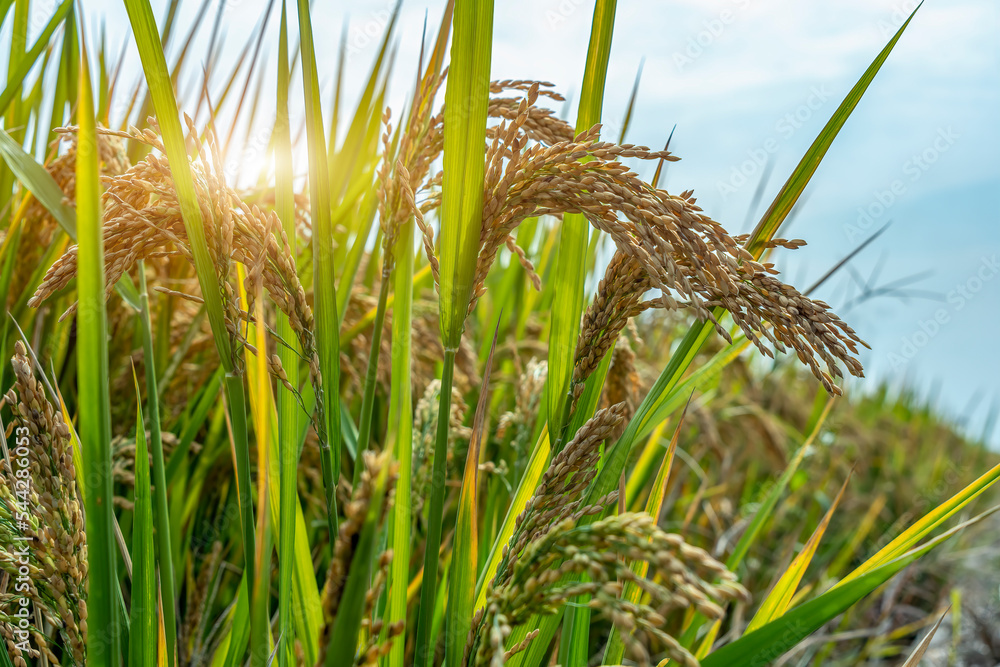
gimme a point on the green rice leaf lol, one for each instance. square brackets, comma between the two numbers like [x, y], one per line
[95, 403]
[907, 540]
[38, 181]
[466, 101]
[772, 640]
[350, 611]
[462, 590]
[401, 434]
[567, 308]
[144, 623]
[17, 75]
[164, 103]
[288, 408]
[764, 512]
[162, 513]
[574, 233]
[324, 275]
[239, 633]
[780, 597]
[533, 472]
[797, 182]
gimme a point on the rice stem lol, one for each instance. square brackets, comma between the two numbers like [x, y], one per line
[162, 515]
[424, 653]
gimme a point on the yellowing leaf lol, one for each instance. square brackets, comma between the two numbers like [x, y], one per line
[778, 600]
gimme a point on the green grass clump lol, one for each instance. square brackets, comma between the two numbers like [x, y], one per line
[423, 441]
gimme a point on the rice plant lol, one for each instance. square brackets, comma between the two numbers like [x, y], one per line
[381, 419]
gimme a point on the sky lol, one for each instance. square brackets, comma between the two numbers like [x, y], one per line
[748, 85]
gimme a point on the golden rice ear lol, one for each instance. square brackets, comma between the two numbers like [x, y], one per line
[142, 220]
[689, 578]
[560, 491]
[664, 242]
[53, 520]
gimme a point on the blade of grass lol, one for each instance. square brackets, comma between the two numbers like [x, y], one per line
[533, 472]
[17, 75]
[350, 611]
[641, 473]
[797, 182]
[240, 631]
[374, 356]
[763, 513]
[570, 276]
[918, 653]
[324, 275]
[462, 590]
[5, 659]
[143, 640]
[466, 102]
[571, 255]
[779, 636]
[401, 433]
[428, 590]
[778, 600]
[197, 419]
[5, 6]
[364, 218]
[38, 181]
[400, 399]
[371, 372]
[95, 403]
[766, 509]
[164, 547]
[906, 540]
[350, 162]
[262, 412]
[630, 107]
[288, 354]
[338, 85]
[858, 536]
[158, 79]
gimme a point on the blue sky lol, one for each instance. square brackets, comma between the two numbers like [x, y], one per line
[752, 81]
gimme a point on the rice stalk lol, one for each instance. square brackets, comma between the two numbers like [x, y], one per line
[467, 101]
[288, 407]
[327, 372]
[103, 648]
